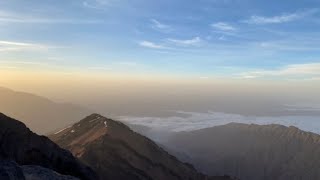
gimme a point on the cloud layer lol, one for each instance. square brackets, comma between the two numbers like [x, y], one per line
[6, 46]
[195, 121]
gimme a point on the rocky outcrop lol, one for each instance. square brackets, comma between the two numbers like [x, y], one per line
[19, 144]
[10, 170]
[116, 152]
[40, 173]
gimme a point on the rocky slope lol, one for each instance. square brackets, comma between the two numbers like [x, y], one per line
[12, 171]
[116, 152]
[19, 144]
[251, 152]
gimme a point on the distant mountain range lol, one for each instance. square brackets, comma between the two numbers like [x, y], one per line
[117, 152]
[98, 147]
[106, 149]
[41, 115]
[251, 152]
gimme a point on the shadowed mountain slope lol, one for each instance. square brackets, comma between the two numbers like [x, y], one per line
[251, 152]
[116, 152]
[19, 144]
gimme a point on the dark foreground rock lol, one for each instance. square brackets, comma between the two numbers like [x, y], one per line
[10, 170]
[19, 144]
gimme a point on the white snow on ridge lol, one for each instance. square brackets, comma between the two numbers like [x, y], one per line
[62, 130]
[95, 119]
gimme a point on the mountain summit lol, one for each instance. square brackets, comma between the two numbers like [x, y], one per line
[117, 152]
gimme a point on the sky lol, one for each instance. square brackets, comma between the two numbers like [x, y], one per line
[241, 39]
[169, 65]
[150, 58]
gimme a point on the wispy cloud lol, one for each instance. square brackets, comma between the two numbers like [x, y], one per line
[303, 107]
[127, 63]
[6, 46]
[119, 66]
[98, 4]
[99, 68]
[14, 64]
[155, 24]
[284, 18]
[23, 62]
[9, 17]
[186, 42]
[222, 26]
[302, 43]
[296, 71]
[151, 45]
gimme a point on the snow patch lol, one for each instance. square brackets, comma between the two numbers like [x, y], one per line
[62, 130]
[72, 131]
[97, 118]
[105, 123]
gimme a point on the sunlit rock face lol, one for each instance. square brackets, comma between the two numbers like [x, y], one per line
[116, 152]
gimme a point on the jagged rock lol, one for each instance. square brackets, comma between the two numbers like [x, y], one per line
[19, 144]
[40, 173]
[10, 171]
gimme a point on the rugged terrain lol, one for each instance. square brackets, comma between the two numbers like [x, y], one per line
[34, 155]
[117, 152]
[251, 152]
[10, 170]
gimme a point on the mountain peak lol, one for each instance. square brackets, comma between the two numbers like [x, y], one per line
[116, 152]
[80, 134]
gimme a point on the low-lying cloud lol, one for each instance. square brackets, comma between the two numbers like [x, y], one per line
[195, 121]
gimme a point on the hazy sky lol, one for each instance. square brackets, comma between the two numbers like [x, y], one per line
[205, 38]
[163, 54]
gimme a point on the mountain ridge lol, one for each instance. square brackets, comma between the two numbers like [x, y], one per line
[275, 151]
[117, 152]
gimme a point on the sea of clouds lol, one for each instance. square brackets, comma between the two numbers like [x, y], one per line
[195, 120]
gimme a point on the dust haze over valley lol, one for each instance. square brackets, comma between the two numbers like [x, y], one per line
[176, 104]
[159, 90]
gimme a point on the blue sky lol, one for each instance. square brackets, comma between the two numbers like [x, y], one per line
[205, 38]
